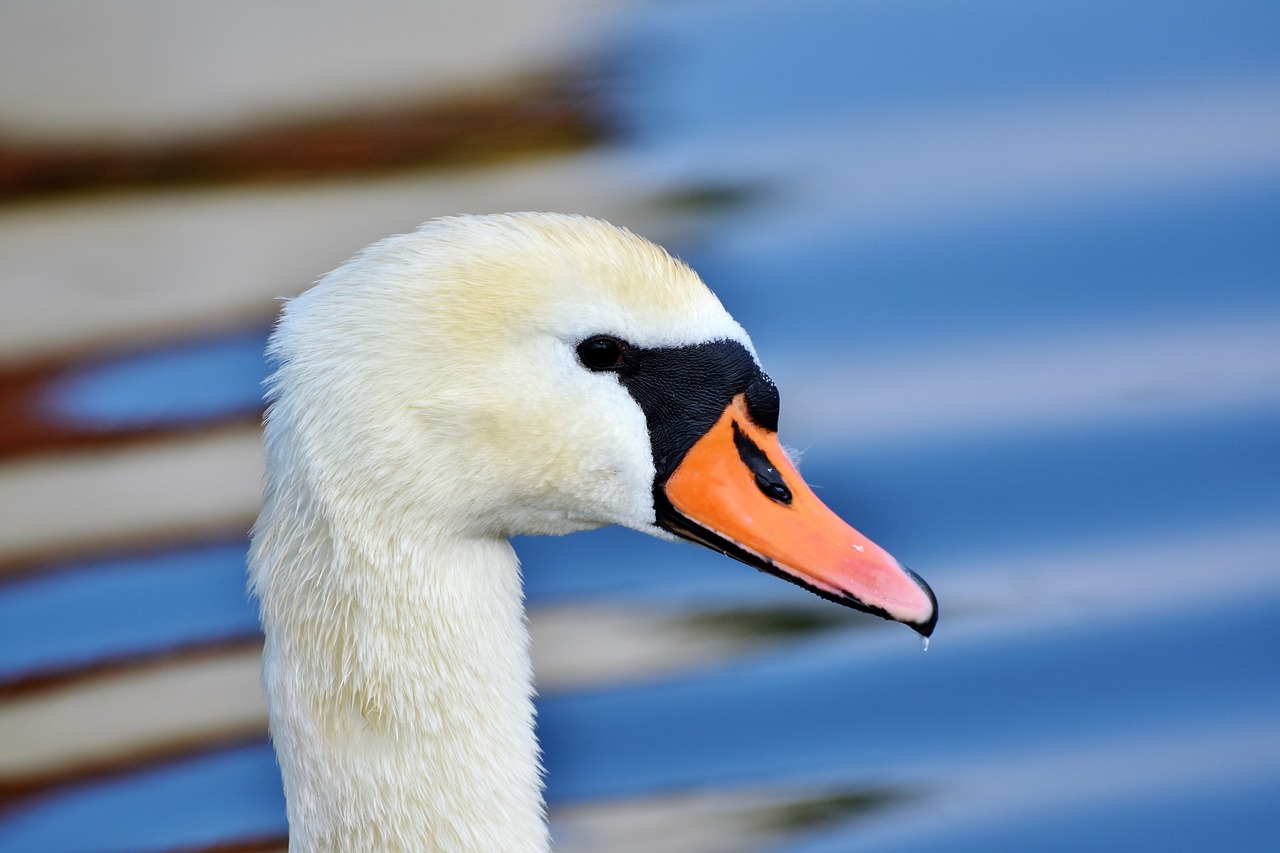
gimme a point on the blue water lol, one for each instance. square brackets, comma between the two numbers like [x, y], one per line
[1104, 672]
[721, 68]
[231, 794]
[854, 714]
[116, 608]
[196, 380]
[1169, 258]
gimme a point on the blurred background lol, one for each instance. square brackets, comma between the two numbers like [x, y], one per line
[1014, 266]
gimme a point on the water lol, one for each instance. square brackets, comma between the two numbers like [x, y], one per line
[1103, 674]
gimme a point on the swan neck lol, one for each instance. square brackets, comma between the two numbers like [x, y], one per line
[400, 689]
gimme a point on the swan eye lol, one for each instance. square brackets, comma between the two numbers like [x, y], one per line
[602, 353]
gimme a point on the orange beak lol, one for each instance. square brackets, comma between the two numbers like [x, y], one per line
[736, 492]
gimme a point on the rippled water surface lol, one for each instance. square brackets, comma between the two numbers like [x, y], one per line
[1059, 221]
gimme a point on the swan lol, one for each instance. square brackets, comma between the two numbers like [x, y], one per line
[440, 392]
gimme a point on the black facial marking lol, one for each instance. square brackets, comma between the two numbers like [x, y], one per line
[768, 479]
[762, 402]
[683, 391]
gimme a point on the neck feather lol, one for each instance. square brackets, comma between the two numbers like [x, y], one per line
[400, 688]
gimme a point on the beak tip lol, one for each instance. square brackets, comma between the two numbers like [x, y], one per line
[925, 627]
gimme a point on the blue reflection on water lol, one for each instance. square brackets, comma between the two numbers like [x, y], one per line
[723, 68]
[822, 713]
[1054, 489]
[113, 608]
[192, 381]
[1223, 817]
[849, 708]
[829, 710]
[1174, 257]
[189, 804]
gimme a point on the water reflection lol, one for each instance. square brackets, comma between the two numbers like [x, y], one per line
[1014, 267]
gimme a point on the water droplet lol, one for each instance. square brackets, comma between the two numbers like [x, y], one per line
[925, 642]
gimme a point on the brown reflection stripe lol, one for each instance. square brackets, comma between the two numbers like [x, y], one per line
[265, 844]
[54, 679]
[553, 113]
[28, 425]
[17, 795]
[129, 547]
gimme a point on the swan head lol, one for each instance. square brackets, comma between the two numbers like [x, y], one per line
[540, 374]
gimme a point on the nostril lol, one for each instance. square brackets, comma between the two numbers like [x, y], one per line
[774, 490]
[768, 479]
